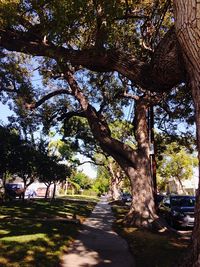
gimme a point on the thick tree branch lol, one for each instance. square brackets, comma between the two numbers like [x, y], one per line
[46, 97]
[164, 72]
[130, 96]
[67, 116]
[99, 126]
[91, 162]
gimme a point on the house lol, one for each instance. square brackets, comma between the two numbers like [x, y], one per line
[188, 186]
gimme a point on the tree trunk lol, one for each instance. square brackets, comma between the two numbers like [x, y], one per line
[47, 191]
[22, 194]
[66, 188]
[54, 191]
[187, 23]
[135, 163]
[5, 193]
[114, 189]
[142, 211]
[114, 183]
[183, 191]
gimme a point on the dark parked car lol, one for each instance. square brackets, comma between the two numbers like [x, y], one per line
[126, 197]
[178, 210]
[14, 190]
[159, 198]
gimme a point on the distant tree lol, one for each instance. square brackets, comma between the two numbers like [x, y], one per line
[45, 166]
[101, 183]
[61, 174]
[82, 140]
[18, 157]
[9, 140]
[176, 163]
[115, 175]
[62, 149]
[26, 164]
[73, 186]
[50, 171]
[82, 180]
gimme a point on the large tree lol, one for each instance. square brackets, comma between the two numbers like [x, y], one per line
[188, 33]
[131, 39]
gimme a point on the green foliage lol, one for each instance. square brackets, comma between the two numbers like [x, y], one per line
[26, 162]
[175, 115]
[22, 158]
[61, 149]
[83, 23]
[50, 171]
[176, 162]
[78, 136]
[8, 10]
[118, 127]
[102, 182]
[11, 147]
[80, 180]
[15, 73]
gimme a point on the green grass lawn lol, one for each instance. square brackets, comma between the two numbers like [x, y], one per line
[151, 249]
[82, 197]
[36, 232]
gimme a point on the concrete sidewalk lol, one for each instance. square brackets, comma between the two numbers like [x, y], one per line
[97, 244]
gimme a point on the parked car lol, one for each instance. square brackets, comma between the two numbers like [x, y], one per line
[126, 197]
[14, 190]
[178, 210]
[158, 199]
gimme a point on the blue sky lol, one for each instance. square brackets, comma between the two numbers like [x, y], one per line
[4, 112]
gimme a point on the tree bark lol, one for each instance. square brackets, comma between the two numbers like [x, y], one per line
[114, 181]
[187, 23]
[142, 211]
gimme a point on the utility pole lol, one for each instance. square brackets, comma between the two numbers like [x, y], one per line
[152, 149]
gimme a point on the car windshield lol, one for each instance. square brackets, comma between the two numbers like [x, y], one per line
[183, 201]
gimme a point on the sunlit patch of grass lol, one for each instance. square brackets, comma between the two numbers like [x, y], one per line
[4, 232]
[35, 233]
[3, 216]
[23, 238]
[151, 249]
[82, 197]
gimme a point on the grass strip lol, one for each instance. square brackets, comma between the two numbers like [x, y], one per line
[37, 232]
[151, 249]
